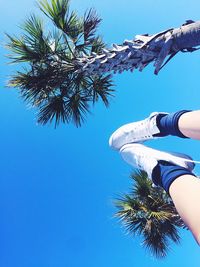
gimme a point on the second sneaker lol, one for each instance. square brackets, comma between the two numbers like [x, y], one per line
[135, 132]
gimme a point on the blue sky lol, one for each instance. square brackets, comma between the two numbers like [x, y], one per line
[57, 186]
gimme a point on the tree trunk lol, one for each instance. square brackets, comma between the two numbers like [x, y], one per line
[141, 51]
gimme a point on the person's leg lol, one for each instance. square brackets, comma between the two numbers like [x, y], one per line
[185, 193]
[183, 123]
[189, 124]
[174, 175]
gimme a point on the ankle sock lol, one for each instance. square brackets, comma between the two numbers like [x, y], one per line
[165, 173]
[168, 124]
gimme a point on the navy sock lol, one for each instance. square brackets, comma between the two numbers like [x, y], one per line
[165, 173]
[168, 124]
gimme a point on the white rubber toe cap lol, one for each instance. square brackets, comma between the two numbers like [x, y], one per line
[112, 140]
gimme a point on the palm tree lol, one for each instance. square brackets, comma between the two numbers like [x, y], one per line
[68, 67]
[149, 212]
[49, 80]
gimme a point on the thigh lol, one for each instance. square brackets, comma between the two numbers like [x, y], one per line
[185, 193]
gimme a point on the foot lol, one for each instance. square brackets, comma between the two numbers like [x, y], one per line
[136, 132]
[146, 158]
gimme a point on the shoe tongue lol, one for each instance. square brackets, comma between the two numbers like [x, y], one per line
[154, 128]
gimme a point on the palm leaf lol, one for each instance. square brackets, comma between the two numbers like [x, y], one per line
[78, 107]
[142, 188]
[100, 87]
[55, 107]
[58, 12]
[51, 81]
[90, 24]
[34, 27]
[97, 45]
[156, 243]
[149, 212]
[21, 51]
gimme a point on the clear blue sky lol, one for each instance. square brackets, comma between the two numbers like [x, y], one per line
[57, 186]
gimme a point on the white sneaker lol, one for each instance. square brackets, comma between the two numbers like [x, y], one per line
[146, 158]
[135, 132]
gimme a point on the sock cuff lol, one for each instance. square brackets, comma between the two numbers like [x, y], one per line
[176, 117]
[168, 124]
[176, 173]
[165, 173]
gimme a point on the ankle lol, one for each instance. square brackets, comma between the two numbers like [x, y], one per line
[165, 173]
[168, 124]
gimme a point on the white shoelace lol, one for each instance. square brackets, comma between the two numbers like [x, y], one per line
[142, 130]
[141, 158]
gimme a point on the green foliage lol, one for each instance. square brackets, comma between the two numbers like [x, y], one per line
[51, 81]
[149, 212]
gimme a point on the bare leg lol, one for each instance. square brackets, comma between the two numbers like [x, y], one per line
[185, 193]
[185, 190]
[189, 124]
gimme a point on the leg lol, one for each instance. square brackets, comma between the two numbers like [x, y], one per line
[183, 188]
[189, 124]
[174, 175]
[185, 193]
[183, 124]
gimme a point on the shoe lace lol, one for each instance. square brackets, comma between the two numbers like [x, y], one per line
[189, 160]
[142, 161]
[142, 130]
